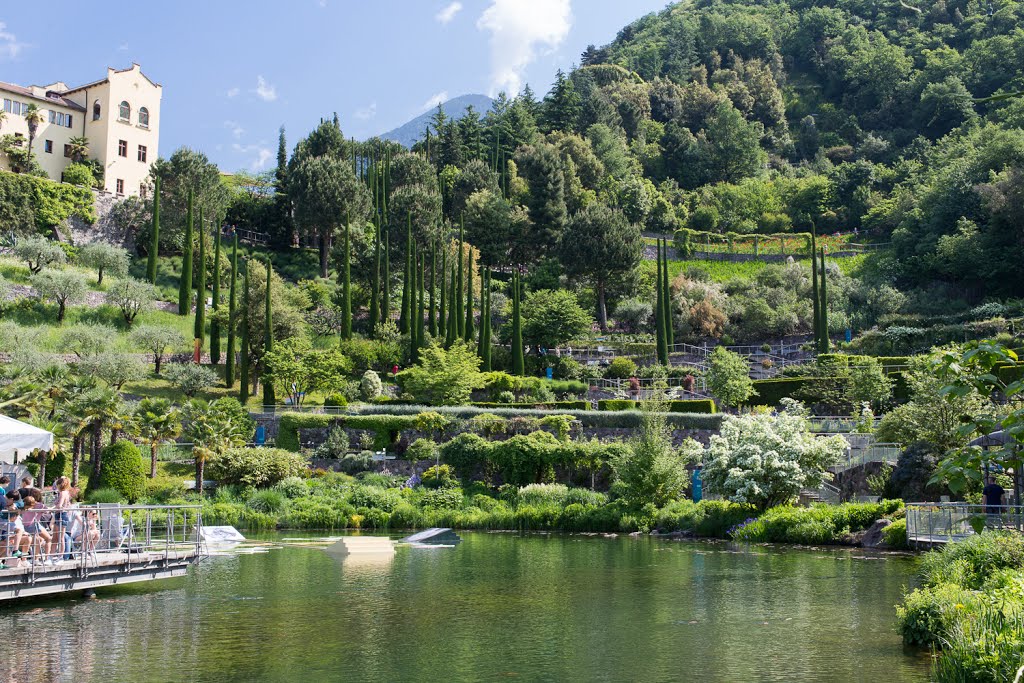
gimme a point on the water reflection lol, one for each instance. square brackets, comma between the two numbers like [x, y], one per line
[498, 605]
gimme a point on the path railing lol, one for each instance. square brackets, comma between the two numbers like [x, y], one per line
[933, 523]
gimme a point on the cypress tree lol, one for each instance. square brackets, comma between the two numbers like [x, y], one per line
[421, 330]
[385, 293]
[214, 320]
[460, 323]
[375, 285]
[518, 362]
[200, 327]
[406, 315]
[661, 346]
[185, 283]
[154, 242]
[486, 355]
[452, 326]
[468, 333]
[670, 334]
[431, 320]
[483, 312]
[442, 320]
[815, 296]
[346, 286]
[243, 361]
[824, 342]
[268, 338]
[229, 363]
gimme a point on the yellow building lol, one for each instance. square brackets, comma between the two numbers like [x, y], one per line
[118, 115]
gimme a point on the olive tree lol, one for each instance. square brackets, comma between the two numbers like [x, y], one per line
[62, 287]
[39, 252]
[157, 340]
[132, 297]
[105, 258]
[189, 378]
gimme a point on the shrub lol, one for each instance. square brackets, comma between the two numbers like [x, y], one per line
[190, 378]
[895, 535]
[336, 400]
[819, 524]
[374, 497]
[290, 423]
[123, 470]
[447, 498]
[421, 449]
[770, 392]
[355, 463]
[708, 518]
[543, 494]
[439, 477]
[620, 368]
[78, 174]
[928, 614]
[696, 405]
[292, 487]
[269, 501]
[335, 446]
[104, 496]
[256, 466]
[971, 561]
[616, 404]
[370, 386]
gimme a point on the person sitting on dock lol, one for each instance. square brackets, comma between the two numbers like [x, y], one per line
[13, 498]
[13, 540]
[5, 483]
[36, 519]
[27, 489]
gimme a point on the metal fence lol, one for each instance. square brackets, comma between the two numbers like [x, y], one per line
[934, 523]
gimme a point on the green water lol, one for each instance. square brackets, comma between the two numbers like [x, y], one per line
[497, 607]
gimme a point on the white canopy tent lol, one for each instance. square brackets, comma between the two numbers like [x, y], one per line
[19, 438]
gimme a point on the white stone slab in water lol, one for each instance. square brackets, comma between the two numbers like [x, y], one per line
[222, 534]
[362, 545]
[434, 536]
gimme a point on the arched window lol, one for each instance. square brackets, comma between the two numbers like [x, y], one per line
[144, 117]
[96, 110]
[125, 111]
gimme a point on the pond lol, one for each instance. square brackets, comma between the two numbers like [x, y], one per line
[497, 606]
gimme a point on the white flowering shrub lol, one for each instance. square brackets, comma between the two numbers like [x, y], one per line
[766, 460]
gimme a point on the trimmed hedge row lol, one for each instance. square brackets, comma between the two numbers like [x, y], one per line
[771, 391]
[696, 405]
[548, 405]
[386, 426]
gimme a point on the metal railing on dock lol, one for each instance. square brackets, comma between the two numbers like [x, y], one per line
[94, 545]
[929, 524]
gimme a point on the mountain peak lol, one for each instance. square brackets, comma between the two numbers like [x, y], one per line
[413, 130]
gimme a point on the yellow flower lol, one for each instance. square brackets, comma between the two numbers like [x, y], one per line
[959, 605]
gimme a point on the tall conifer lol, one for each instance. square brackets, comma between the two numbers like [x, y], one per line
[200, 321]
[518, 362]
[421, 330]
[823, 342]
[468, 332]
[154, 239]
[243, 360]
[815, 295]
[214, 318]
[346, 285]
[185, 282]
[670, 334]
[661, 345]
[385, 292]
[375, 285]
[452, 326]
[460, 322]
[442, 317]
[229, 362]
[268, 338]
[431, 320]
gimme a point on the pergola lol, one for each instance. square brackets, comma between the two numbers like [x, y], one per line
[20, 439]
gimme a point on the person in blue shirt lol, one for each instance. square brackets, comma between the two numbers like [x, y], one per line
[5, 483]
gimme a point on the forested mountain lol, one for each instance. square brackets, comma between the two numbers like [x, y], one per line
[897, 121]
[411, 131]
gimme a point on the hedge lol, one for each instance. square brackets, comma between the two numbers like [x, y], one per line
[548, 405]
[385, 425]
[289, 425]
[771, 391]
[122, 469]
[696, 405]
[617, 404]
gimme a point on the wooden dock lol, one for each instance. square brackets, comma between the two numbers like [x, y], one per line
[105, 569]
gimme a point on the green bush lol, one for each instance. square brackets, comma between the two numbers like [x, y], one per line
[617, 404]
[445, 498]
[374, 497]
[421, 449]
[696, 405]
[620, 368]
[439, 477]
[895, 535]
[708, 518]
[771, 391]
[289, 424]
[354, 463]
[818, 524]
[547, 405]
[104, 496]
[335, 400]
[928, 615]
[123, 470]
[259, 466]
[970, 562]
[292, 487]
[269, 502]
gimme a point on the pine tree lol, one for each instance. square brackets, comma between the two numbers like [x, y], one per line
[185, 283]
[375, 285]
[229, 363]
[815, 295]
[431, 320]
[200, 326]
[460, 322]
[154, 242]
[468, 333]
[824, 342]
[518, 362]
[214, 319]
[385, 293]
[670, 333]
[243, 370]
[346, 285]
[268, 338]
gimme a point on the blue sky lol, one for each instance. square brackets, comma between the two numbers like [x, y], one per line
[234, 72]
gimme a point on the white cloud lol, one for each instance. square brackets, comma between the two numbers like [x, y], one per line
[264, 90]
[10, 47]
[322, 3]
[233, 92]
[435, 99]
[448, 12]
[262, 155]
[519, 28]
[123, 47]
[235, 128]
[368, 112]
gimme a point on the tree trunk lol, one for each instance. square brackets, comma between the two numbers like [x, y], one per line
[156, 363]
[97, 442]
[325, 248]
[42, 468]
[152, 460]
[200, 469]
[602, 308]
[99, 278]
[115, 435]
[76, 459]
[60, 313]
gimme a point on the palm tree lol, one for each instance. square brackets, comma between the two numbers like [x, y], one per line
[78, 148]
[213, 428]
[33, 117]
[99, 407]
[55, 427]
[158, 422]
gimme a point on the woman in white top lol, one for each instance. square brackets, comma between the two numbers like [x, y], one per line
[62, 517]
